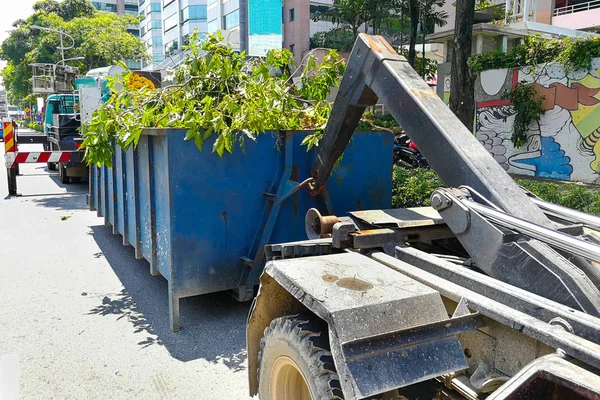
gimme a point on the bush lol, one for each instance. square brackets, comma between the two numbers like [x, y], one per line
[413, 188]
[337, 38]
[567, 195]
[33, 125]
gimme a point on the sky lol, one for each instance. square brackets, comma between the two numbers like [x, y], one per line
[13, 10]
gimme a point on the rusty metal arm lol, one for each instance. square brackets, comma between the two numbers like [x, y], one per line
[375, 72]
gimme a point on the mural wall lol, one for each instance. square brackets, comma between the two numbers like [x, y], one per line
[565, 144]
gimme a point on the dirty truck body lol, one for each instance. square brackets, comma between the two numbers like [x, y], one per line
[489, 292]
[61, 126]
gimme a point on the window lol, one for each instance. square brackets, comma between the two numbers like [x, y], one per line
[105, 6]
[167, 2]
[212, 26]
[194, 13]
[292, 14]
[292, 49]
[131, 7]
[171, 22]
[154, 24]
[157, 40]
[143, 30]
[152, 7]
[231, 20]
[171, 47]
[134, 32]
[317, 9]
[159, 58]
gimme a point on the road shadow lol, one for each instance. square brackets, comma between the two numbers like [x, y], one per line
[61, 201]
[213, 327]
[72, 196]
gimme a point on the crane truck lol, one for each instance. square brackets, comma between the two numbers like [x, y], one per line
[489, 293]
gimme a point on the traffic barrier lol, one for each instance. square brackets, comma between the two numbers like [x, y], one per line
[13, 157]
[10, 148]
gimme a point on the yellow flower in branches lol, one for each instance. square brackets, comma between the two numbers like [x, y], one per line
[137, 82]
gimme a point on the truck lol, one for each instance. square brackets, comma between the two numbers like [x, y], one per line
[61, 125]
[489, 293]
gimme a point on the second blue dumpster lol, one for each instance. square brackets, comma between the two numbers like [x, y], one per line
[202, 221]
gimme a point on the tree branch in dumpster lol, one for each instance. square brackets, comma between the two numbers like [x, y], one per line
[217, 91]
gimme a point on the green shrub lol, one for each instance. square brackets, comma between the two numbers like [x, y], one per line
[32, 125]
[413, 188]
[567, 195]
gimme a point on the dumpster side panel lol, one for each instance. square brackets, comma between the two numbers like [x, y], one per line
[102, 211]
[111, 198]
[121, 205]
[217, 204]
[143, 161]
[162, 207]
[95, 173]
[362, 181]
[354, 184]
[131, 198]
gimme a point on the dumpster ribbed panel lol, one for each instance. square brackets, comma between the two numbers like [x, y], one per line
[194, 216]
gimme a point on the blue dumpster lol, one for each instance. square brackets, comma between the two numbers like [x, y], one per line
[202, 221]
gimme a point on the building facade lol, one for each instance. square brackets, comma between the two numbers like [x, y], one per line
[120, 7]
[254, 26]
[299, 25]
[550, 18]
[166, 25]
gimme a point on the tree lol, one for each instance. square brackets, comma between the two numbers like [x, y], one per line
[101, 38]
[426, 13]
[104, 39]
[67, 9]
[431, 15]
[395, 30]
[414, 13]
[71, 9]
[350, 14]
[462, 83]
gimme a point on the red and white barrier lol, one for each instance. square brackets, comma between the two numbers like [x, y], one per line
[30, 157]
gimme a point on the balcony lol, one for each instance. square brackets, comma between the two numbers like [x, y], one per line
[581, 15]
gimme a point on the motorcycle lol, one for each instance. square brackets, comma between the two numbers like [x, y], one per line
[406, 154]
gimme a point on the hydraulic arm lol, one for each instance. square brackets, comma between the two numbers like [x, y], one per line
[376, 73]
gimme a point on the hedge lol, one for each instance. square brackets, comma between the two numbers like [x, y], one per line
[413, 188]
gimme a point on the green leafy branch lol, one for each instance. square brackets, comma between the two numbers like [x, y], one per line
[571, 53]
[217, 92]
[528, 106]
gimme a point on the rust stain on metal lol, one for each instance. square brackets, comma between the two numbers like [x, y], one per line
[386, 44]
[354, 284]
[224, 215]
[372, 44]
[294, 175]
[367, 232]
[330, 278]
[339, 180]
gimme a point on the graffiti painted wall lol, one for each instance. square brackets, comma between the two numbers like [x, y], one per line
[565, 144]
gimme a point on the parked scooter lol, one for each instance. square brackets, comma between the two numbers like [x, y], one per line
[406, 154]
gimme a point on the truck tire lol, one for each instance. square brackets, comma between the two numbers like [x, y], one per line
[62, 173]
[295, 361]
[51, 166]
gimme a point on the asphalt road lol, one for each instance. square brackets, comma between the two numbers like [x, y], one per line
[87, 320]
